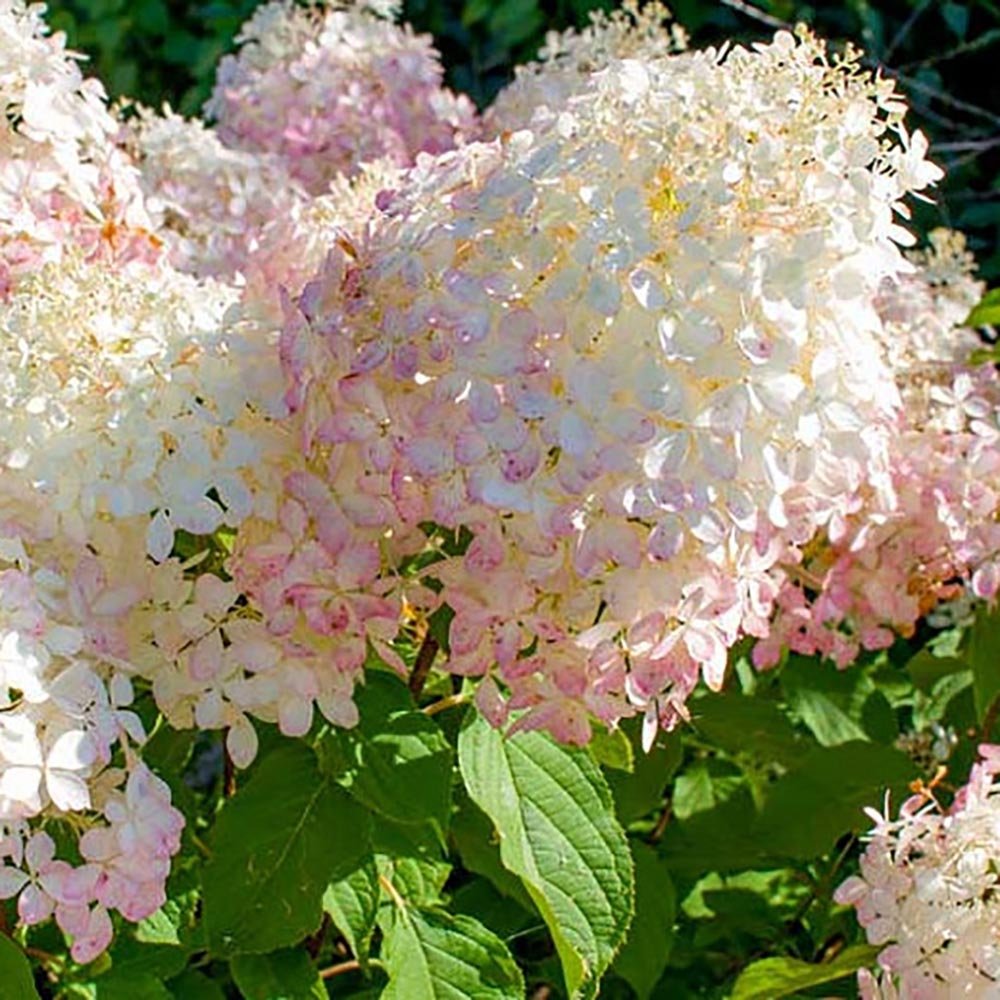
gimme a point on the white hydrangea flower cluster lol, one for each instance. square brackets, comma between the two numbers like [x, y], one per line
[928, 892]
[568, 61]
[634, 351]
[329, 87]
[933, 533]
[62, 181]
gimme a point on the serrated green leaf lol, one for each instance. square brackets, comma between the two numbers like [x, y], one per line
[436, 955]
[410, 856]
[277, 845]
[772, 978]
[15, 972]
[288, 974]
[984, 659]
[646, 950]
[553, 812]
[823, 796]
[396, 761]
[418, 880]
[987, 311]
[352, 903]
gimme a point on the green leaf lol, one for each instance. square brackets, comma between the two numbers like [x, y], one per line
[820, 694]
[396, 761]
[283, 975]
[739, 724]
[554, 815]
[352, 903]
[436, 955]
[987, 311]
[129, 985]
[410, 857]
[15, 972]
[719, 839]
[479, 848]
[611, 748]
[194, 985]
[926, 669]
[277, 845]
[645, 953]
[771, 978]
[823, 796]
[639, 793]
[984, 658]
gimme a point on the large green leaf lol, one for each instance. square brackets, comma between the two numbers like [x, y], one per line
[15, 972]
[739, 724]
[436, 955]
[823, 796]
[352, 903]
[283, 975]
[822, 697]
[772, 978]
[277, 845]
[984, 658]
[396, 761]
[555, 818]
[645, 953]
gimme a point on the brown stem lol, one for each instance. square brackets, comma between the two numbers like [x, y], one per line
[422, 665]
[656, 834]
[341, 967]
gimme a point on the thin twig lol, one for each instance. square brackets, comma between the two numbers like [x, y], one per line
[422, 665]
[912, 83]
[749, 10]
[904, 29]
[980, 42]
[351, 965]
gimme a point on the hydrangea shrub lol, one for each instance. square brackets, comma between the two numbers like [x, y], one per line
[444, 551]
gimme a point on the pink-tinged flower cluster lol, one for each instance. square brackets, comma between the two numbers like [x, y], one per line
[63, 182]
[330, 88]
[634, 352]
[928, 892]
[125, 866]
[239, 216]
[932, 531]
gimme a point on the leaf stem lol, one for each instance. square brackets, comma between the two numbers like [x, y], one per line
[445, 703]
